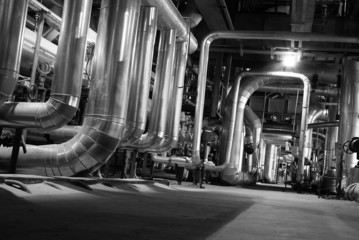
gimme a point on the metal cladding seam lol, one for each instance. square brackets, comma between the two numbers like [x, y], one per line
[13, 20]
[66, 87]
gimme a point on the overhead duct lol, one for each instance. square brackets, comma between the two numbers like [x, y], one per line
[170, 18]
[349, 112]
[241, 35]
[175, 105]
[13, 20]
[141, 69]
[160, 99]
[66, 87]
[106, 111]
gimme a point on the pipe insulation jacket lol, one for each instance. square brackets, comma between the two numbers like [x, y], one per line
[105, 118]
[12, 25]
[66, 87]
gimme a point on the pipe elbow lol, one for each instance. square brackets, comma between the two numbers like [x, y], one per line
[55, 113]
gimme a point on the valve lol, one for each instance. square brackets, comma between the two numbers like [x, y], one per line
[354, 145]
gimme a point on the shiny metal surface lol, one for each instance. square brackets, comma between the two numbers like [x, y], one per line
[12, 26]
[161, 92]
[141, 70]
[175, 102]
[203, 67]
[315, 113]
[104, 125]
[332, 124]
[170, 18]
[47, 51]
[233, 136]
[204, 56]
[270, 163]
[66, 86]
[253, 121]
[349, 112]
[54, 20]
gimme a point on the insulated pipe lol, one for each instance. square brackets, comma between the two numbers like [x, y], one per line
[12, 25]
[66, 87]
[204, 57]
[324, 125]
[236, 118]
[295, 88]
[160, 99]
[141, 69]
[105, 116]
[270, 163]
[172, 126]
[331, 139]
[170, 18]
[349, 112]
[253, 121]
[314, 114]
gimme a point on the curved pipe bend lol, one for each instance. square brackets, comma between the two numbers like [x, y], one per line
[66, 88]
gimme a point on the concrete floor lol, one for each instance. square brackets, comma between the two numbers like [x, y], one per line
[136, 210]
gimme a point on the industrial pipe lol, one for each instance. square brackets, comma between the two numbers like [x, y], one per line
[324, 125]
[173, 122]
[349, 112]
[253, 121]
[66, 87]
[204, 57]
[13, 20]
[141, 69]
[160, 99]
[314, 114]
[170, 18]
[105, 117]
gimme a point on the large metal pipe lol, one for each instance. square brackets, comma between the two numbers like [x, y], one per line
[172, 126]
[141, 70]
[105, 116]
[331, 138]
[298, 88]
[349, 112]
[256, 80]
[12, 25]
[170, 18]
[204, 57]
[270, 163]
[66, 87]
[315, 112]
[253, 121]
[331, 124]
[161, 96]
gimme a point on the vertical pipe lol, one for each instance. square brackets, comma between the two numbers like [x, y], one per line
[162, 84]
[331, 139]
[40, 29]
[216, 85]
[141, 69]
[12, 25]
[15, 150]
[349, 112]
[269, 163]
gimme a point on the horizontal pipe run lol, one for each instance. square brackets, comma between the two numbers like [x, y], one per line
[323, 125]
[170, 18]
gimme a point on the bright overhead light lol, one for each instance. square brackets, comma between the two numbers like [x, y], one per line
[290, 59]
